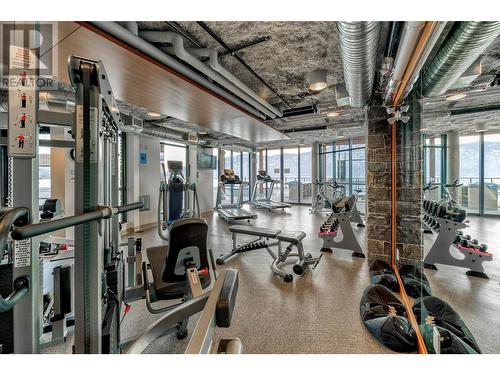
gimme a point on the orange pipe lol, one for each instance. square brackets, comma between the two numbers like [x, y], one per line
[410, 69]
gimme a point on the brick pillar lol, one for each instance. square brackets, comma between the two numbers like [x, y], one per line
[409, 185]
[378, 167]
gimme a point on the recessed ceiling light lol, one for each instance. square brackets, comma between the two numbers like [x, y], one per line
[153, 114]
[424, 129]
[481, 128]
[317, 80]
[455, 97]
[332, 114]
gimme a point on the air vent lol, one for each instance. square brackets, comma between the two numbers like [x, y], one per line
[192, 138]
[131, 123]
[300, 111]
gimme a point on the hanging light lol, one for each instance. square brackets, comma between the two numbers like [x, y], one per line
[332, 114]
[153, 114]
[456, 97]
[317, 80]
[481, 128]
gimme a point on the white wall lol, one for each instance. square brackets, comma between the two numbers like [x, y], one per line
[149, 178]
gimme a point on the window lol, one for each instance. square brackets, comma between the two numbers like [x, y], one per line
[492, 173]
[291, 186]
[469, 173]
[345, 162]
[245, 174]
[274, 170]
[434, 171]
[216, 175]
[44, 191]
[174, 151]
[305, 175]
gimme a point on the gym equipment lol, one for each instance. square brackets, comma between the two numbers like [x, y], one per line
[322, 200]
[340, 219]
[174, 201]
[231, 213]
[455, 337]
[473, 258]
[384, 316]
[294, 239]
[266, 182]
[16, 222]
[447, 219]
[182, 271]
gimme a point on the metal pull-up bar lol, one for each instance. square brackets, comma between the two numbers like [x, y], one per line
[33, 230]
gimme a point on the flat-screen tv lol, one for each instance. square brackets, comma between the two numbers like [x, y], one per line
[207, 161]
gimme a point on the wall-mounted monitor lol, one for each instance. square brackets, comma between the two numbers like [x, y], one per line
[207, 161]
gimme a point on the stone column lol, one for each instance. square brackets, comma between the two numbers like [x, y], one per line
[378, 186]
[408, 185]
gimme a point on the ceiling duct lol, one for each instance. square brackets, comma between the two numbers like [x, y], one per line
[180, 52]
[122, 34]
[359, 45]
[215, 65]
[463, 45]
[300, 111]
[409, 39]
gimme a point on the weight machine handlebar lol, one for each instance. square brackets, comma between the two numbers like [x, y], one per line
[33, 230]
[9, 216]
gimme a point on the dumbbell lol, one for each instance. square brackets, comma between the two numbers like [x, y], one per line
[483, 247]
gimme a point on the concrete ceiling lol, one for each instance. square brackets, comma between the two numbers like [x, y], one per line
[292, 50]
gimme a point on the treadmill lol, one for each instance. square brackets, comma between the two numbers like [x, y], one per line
[262, 181]
[233, 212]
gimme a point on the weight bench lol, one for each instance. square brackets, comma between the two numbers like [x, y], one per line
[293, 238]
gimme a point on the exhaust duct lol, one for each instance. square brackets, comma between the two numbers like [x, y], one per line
[463, 45]
[358, 46]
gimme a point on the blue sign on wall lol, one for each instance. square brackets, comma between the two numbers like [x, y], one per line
[143, 158]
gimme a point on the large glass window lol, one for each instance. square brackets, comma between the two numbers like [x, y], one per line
[305, 174]
[274, 170]
[291, 188]
[344, 161]
[492, 173]
[176, 152]
[245, 174]
[469, 173]
[216, 175]
[44, 170]
[434, 165]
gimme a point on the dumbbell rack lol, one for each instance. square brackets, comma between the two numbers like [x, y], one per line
[349, 240]
[440, 251]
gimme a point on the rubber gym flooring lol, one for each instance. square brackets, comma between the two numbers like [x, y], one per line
[319, 312]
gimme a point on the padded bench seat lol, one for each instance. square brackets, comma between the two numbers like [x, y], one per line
[255, 231]
[293, 237]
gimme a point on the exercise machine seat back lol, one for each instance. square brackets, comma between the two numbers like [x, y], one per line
[188, 240]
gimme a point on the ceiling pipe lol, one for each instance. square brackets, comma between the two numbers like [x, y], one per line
[417, 59]
[358, 46]
[125, 36]
[179, 51]
[463, 45]
[409, 38]
[215, 65]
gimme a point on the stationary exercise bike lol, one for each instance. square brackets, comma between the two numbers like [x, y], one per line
[322, 200]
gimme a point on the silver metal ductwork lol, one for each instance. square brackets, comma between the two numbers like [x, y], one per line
[463, 45]
[180, 51]
[358, 45]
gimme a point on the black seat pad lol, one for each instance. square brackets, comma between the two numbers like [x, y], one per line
[163, 290]
[254, 231]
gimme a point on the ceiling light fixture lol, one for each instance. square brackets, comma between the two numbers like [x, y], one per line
[456, 97]
[153, 114]
[481, 128]
[317, 80]
[332, 114]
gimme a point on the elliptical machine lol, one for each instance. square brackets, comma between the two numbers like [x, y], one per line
[176, 196]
